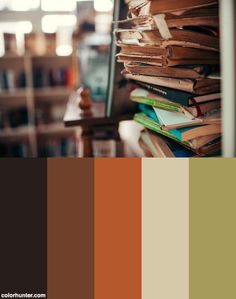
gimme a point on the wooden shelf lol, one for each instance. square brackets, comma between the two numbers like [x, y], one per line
[12, 56]
[8, 57]
[10, 99]
[52, 61]
[21, 92]
[54, 129]
[12, 62]
[21, 132]
[73, 116]
[51, 56]
[52, 93]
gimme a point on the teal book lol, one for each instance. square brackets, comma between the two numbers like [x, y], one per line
[152, 124]
[177, 133]
[149, 118]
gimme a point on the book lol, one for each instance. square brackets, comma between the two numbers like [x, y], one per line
[5, 83]
[194, 86]
[11, 79]
[144, 7]
[182, 134]
[162, 61]
[169, 120]
[57, 147]
[14, 149]
[156, 145]
[169, 56]
[200, 142]
[179, 37]
[190, 132]
[204, 16]
[179, 96]
[207, 16]
[18, 117]
[21, 80]
[38, 78]
[52, 77]
[142, 96]
[170, 52]
[184, 72]
[161, 147]
[173, 120]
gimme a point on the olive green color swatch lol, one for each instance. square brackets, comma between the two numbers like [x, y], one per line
[212, 225]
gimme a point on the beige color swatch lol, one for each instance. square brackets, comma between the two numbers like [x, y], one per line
[165, 232]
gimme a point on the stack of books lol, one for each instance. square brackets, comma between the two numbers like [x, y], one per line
[170, 50]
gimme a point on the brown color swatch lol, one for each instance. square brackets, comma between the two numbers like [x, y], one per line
[70, 228]
[117, 228]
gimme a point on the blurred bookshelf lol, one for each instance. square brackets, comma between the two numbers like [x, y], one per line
[40, 67]
[33, 94]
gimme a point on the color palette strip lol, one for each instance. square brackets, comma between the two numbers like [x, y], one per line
[119, 228]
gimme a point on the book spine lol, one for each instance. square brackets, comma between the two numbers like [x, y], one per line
[11, 80]
[5, 81]
[158, 104]
[173, 95]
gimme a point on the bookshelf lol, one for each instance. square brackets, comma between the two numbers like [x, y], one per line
[58, 75]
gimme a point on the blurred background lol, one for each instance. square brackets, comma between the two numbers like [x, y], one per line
[49, 48]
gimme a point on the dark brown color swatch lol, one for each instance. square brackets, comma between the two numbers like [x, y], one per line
[23, 226]
[70, 228]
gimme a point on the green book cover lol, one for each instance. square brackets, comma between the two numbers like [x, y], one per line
[156, 103]
[149, 123]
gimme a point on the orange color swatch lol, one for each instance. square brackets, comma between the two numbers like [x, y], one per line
[117, 209]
